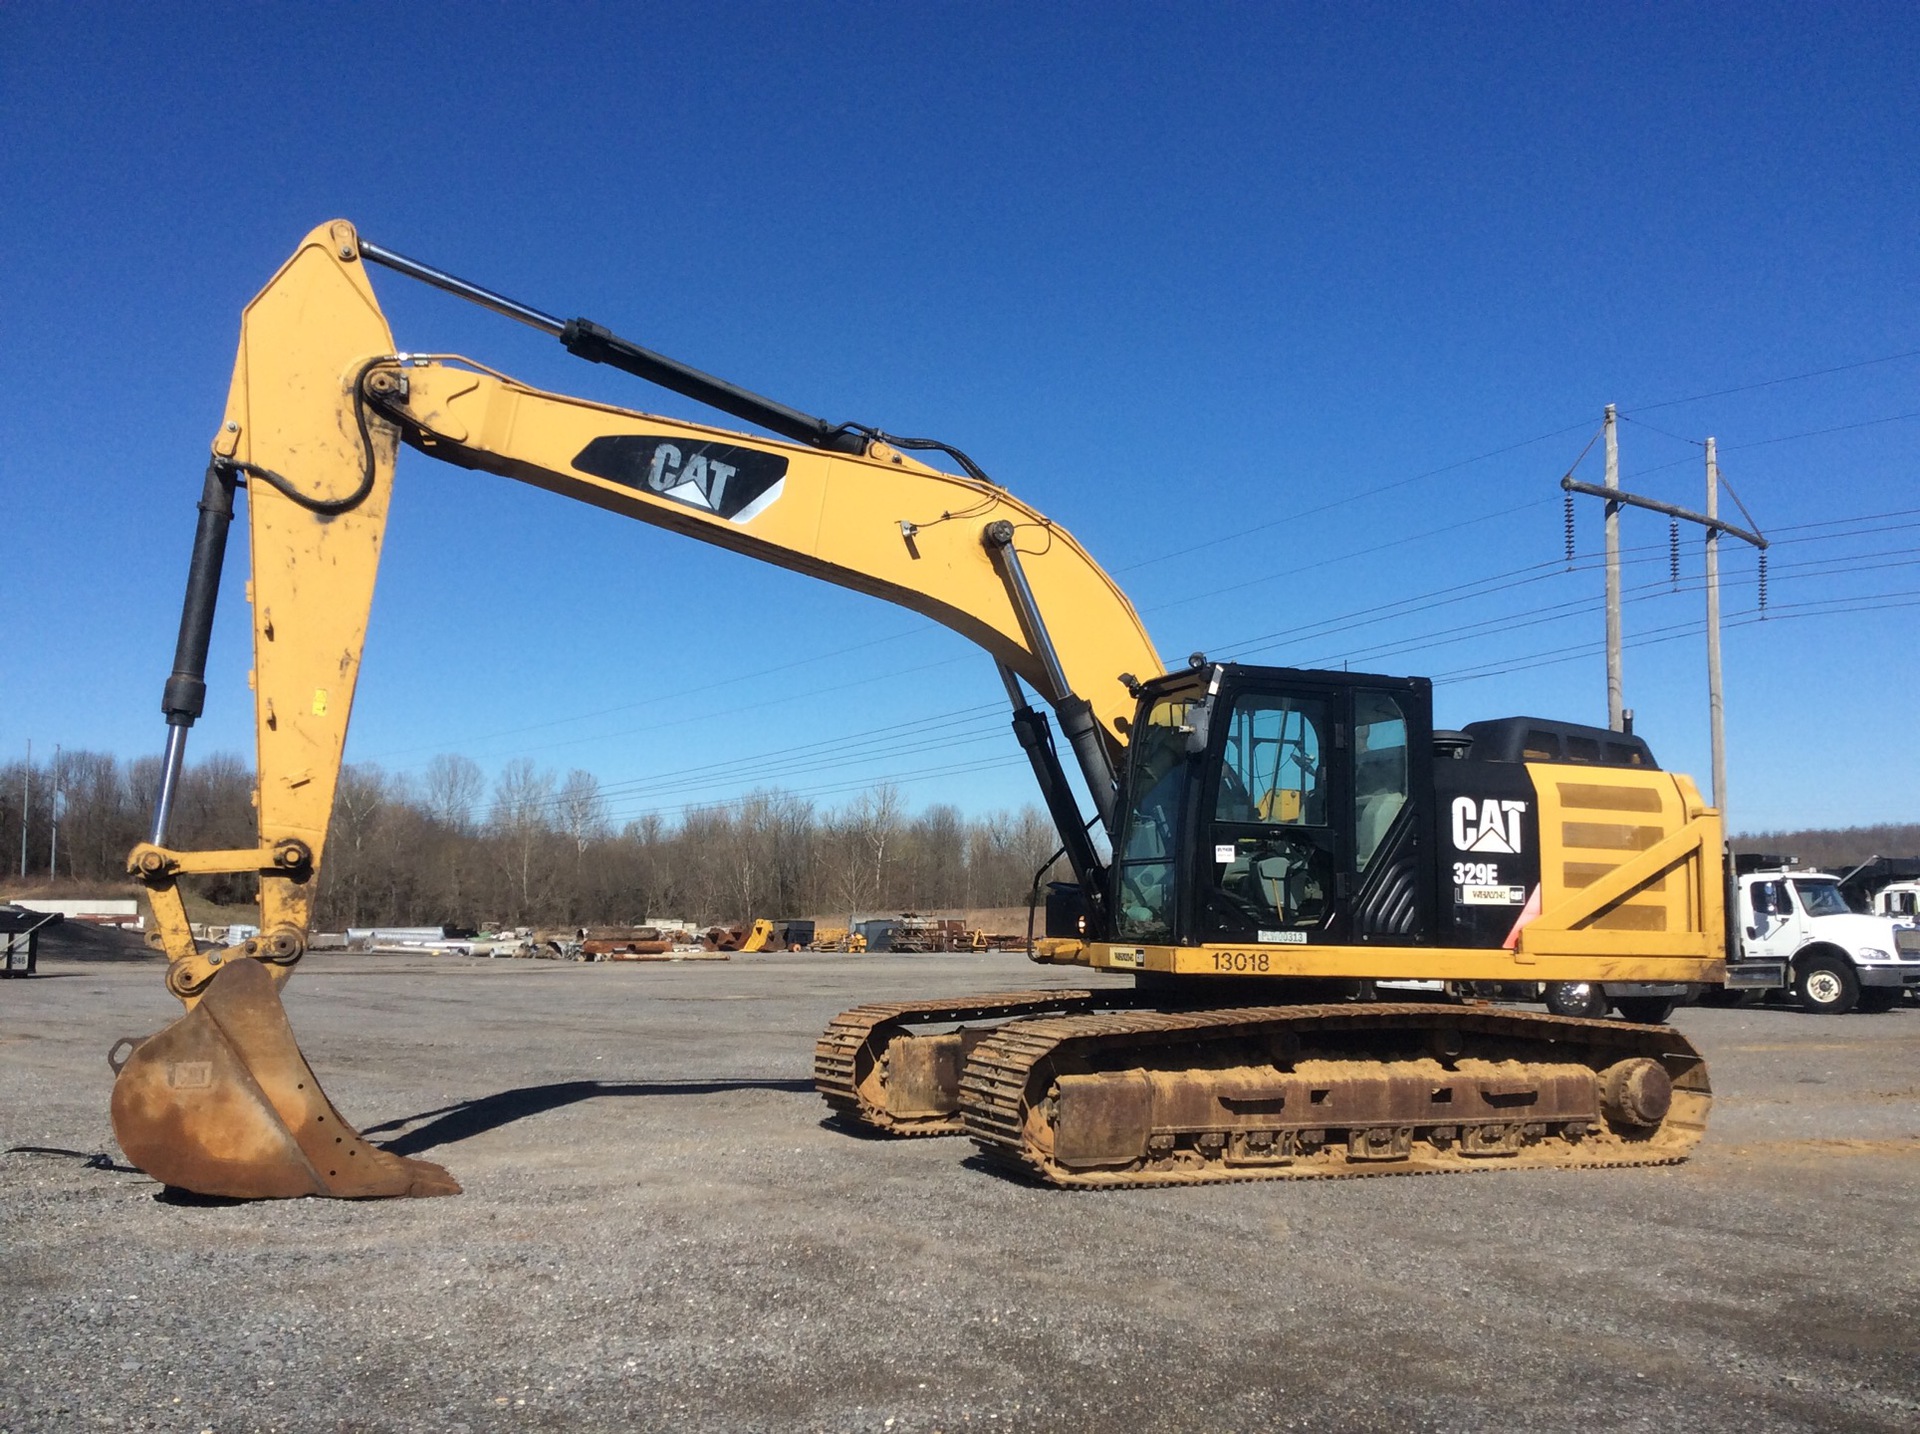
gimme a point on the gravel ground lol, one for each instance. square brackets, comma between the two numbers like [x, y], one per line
[659, 1233]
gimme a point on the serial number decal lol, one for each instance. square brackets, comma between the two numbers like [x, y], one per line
[1122, 956]
[1492, 895]
[1241, 961]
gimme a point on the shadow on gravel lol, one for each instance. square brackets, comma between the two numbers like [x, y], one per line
[490, 1112]
[1012, 1174]
[846, 1125]
[94, 1159]
[194, 1200]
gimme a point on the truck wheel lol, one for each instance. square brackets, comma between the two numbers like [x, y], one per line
[1645, 1010]
[1825, 985]
[1576, 998]
[1876, 999]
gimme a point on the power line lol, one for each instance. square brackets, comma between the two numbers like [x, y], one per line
[894, 778]
[1790, 612]
[1783, 438]
[886, 743]
[1773, 382]
[678, 694]
[751, 769]
[1676, 437]
[1295, 570]
[1349, 498]
[1821, 608]
[1821, 432]
[780, 761]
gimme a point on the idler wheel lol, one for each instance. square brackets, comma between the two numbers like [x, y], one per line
[1636, 1094]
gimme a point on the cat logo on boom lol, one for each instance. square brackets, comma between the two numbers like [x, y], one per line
[720, 478]
[1491, 825]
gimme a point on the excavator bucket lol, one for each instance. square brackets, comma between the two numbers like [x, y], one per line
[221, 1102]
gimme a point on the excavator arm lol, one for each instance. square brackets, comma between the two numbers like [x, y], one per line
[320, 402]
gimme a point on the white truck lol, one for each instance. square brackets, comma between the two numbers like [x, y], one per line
[1791, 931]
[1899, 902]
[1795, 931]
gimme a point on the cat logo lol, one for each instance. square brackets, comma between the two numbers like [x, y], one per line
[1492, 825]
[720, 478]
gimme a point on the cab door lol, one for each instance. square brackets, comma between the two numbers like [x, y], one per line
[1275, 837]
[1773, 928]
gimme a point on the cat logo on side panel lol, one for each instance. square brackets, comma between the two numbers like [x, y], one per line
[1491, 825]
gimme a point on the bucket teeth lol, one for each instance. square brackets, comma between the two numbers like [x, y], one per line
[222, 1103]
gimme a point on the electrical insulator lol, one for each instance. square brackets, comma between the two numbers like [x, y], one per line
[1569, 532]
[1673, 552]
[1763, 585]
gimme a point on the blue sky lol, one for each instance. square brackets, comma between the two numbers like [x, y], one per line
[1294, 315]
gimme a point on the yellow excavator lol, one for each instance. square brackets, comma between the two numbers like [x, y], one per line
[1269, 850]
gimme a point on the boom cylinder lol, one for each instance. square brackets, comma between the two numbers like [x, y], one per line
[1035, 736]
[185, 696]
[1077, 721]
[588, 340]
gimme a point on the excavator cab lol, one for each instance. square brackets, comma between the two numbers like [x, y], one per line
[1278, 806]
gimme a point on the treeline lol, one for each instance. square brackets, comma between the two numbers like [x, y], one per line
[1835, 850]
[536, 848]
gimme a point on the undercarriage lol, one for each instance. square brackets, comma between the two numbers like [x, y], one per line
[1103, 1090]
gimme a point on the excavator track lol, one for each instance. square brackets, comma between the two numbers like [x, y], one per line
[1159, 1097]
[875, 1071]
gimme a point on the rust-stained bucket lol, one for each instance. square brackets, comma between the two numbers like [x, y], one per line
[221, 1102]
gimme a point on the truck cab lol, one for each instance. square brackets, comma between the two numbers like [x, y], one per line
[1834, 957]
[1899, 902]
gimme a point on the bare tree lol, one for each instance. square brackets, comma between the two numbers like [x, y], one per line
[350, 863]
[454, 786]
[522, 820]
[582, 810]
[934, 858]
[856, 841]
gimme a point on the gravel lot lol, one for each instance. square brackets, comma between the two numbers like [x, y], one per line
[658, 1232]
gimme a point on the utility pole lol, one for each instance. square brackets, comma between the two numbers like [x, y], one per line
[53, 811]
[1616, 696]
[26, 806]
[1716, 714]
[1712, 522]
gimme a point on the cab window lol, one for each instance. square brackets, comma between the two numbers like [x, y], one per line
[1821, 898]
[1380, 783]
[1150, 834]
[1270, 849]
[1273, 769]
